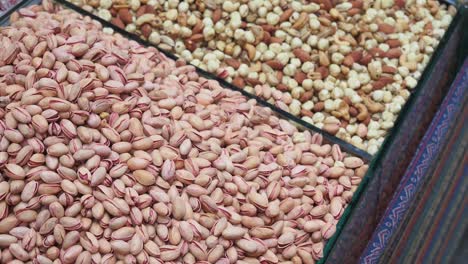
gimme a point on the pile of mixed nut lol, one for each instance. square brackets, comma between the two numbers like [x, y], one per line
[112, 153]
[347, 67]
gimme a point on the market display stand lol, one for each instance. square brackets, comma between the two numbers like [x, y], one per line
[389, 165]
[425, 220]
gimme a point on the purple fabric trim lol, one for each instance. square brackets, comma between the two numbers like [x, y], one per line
[411, 181]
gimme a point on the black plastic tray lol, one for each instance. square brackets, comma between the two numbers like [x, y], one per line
[375, 161]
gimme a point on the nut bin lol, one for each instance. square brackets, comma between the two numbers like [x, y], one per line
[347, 67]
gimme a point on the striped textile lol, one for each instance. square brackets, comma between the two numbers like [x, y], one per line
[401, 145]
[428, 216]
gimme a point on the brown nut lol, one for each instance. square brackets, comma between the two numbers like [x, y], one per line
[342, 111]
[251, 51]
[275, 64]
[125, 15]
[286, 15]
[363, 114]
[372, 106]
[301, 55]
[301, 21]
[232, 62]
[386, 28]
[239, 82]
[116, 21]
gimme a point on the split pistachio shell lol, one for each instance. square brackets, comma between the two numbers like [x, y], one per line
[144, 177]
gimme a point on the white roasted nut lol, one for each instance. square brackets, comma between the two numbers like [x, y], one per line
[307, 48]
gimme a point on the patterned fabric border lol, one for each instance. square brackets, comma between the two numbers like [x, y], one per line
[414, 175]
